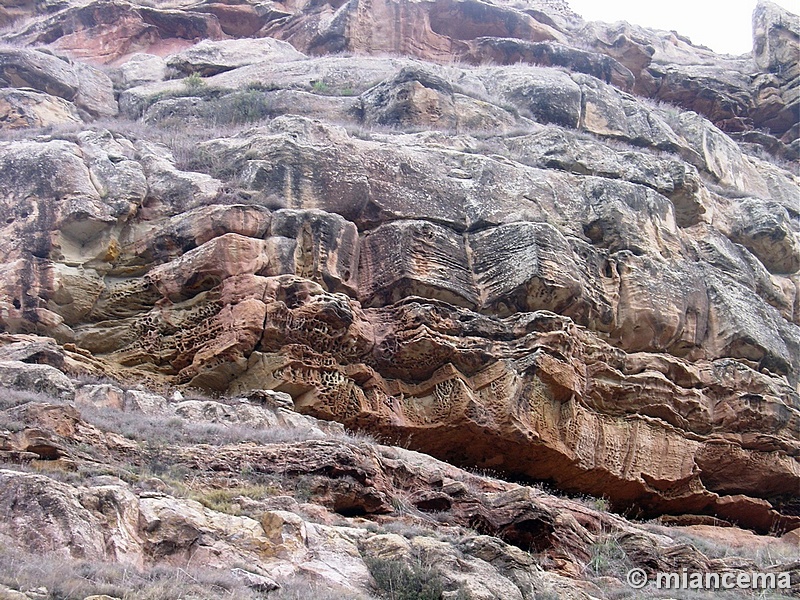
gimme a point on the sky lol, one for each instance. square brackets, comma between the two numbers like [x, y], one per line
[725, 26]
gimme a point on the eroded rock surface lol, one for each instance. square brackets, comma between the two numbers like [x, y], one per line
[300, 505]
[518, 262]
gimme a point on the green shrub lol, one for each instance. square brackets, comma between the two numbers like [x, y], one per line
[194, 81]
[240, 107]
[320, 87]
[397, 580]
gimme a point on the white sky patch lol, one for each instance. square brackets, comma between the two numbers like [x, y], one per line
[725, 26]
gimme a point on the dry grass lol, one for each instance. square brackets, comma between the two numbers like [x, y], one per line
[300, 588]
[761, 556]
[173, 430]
[70, 579]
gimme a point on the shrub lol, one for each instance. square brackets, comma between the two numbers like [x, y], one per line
[240, 107]
[194, 81]
[223, 500]
[608, 559]
[320, 87]
[397, 580]
[10, 398]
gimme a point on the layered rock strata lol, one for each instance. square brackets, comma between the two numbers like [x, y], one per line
[244, 497]
[593, 289]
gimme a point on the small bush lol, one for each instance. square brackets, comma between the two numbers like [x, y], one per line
[240, 107]
[259, 86]
[400, 581]
[223, 500]
[320, 87]
[608, 559]
[194, 81]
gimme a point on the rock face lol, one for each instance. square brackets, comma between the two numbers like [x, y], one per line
[776, 42]
[300, 500]
[517, 262]
[86, 87]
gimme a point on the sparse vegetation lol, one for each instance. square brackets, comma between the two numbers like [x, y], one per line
[172, 430]
[760, 555]
[320, 87]
[397, 580]
[194, 81]
[240, 107]
[608, 559]
[69, 579]
[224, 500]
[302, 589]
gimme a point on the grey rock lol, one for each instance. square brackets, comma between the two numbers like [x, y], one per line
[765, 228]
[545, 95]
[29, 108]
[146, 403]
[46, 516]
[257, 582]
[210, 57]
[42, 379]
[139, 69]
[85, 86]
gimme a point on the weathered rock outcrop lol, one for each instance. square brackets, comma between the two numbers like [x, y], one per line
[300, 499]
[86, 87]
[20, 109]
[228, 302]
[776, 42]
[517, 262]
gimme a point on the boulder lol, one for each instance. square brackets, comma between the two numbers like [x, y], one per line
[210, 57]
[139, 69]
[765, 229]
[146, 403]
[86, 87]
[42, 379]
[47, 516]
[27, 108]
[100, 396]
[544, 95]
[413, 97]
[607, 112]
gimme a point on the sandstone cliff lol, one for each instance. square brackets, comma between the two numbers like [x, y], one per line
[564, 251]
[112, 491]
